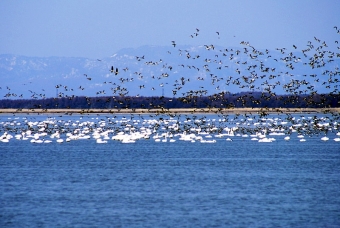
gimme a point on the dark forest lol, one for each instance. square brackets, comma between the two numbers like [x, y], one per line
[220, 100]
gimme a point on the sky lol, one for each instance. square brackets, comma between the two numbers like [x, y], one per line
[99, 28]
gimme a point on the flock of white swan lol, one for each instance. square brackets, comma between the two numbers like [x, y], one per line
[162, 130]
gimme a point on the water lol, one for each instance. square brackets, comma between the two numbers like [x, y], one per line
[242, 183]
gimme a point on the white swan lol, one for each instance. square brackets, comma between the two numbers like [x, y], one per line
[99, 140]
[208, 141]
[266, 140]
[325, 138]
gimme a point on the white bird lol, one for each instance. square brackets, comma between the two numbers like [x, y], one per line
[100, 141]
[325, 138]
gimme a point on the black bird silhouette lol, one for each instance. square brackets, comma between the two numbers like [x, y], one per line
[173, 43]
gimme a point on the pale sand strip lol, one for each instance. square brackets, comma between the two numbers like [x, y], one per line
[174, 111]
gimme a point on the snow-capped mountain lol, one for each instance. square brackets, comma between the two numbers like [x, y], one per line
[170, 71]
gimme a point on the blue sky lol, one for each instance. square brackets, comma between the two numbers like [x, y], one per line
[99, 28]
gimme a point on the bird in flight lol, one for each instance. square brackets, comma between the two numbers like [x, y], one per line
[173, 43]
[114, 71]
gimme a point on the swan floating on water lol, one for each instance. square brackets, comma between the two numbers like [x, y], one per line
[266, 140]
[165, 130]
[208, 141]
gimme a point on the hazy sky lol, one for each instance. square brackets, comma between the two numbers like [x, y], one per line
[99, 28]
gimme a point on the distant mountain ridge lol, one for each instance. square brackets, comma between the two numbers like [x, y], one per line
[165, 70]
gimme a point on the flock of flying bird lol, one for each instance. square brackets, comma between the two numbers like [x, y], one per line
[249, 69]
[208, 69]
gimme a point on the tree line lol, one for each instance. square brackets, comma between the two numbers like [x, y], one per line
[219, 100]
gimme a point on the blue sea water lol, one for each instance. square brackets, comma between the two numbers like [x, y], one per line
[242, 183]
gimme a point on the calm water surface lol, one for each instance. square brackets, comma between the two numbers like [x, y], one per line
[241, 183]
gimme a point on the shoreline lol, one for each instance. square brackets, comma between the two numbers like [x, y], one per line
[171, 111]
